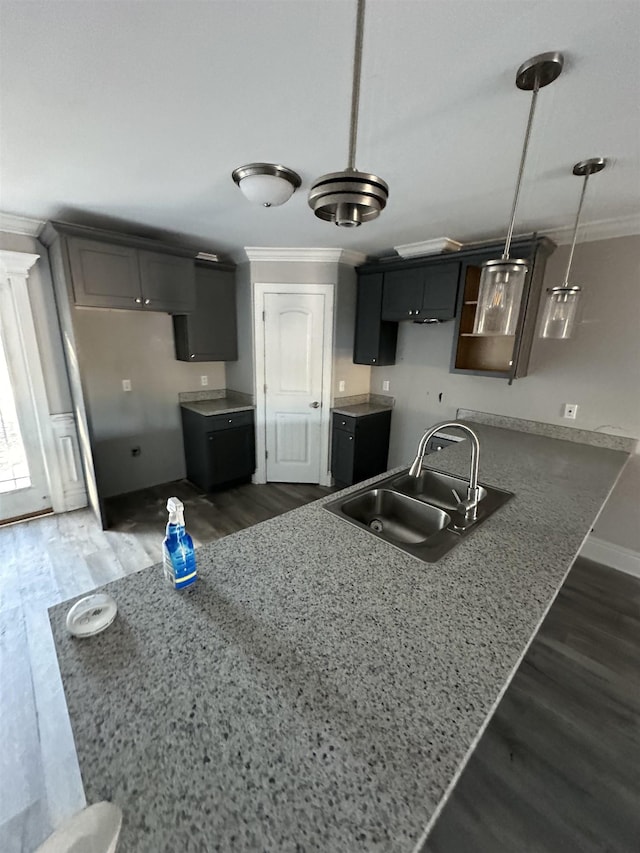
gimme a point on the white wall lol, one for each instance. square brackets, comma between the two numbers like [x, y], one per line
[136, 345]
[241, 373]
[356, 377]
[599, 368]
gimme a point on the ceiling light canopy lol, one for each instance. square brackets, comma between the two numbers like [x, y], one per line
[351, 197]
[502, 281]
[268, 184]
[558, 319]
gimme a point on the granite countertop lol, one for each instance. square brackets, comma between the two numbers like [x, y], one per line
[360, 409]
[319, 690]
[219, 406]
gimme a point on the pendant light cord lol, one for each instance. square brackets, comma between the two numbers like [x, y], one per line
[575, 231]
[507, 245]
[355, 92]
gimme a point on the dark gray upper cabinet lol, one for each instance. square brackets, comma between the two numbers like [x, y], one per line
[109, 270]
[167, 283]
[375, 340]
[445, 286]
[210, 332]
[421, 293]
[104, 275]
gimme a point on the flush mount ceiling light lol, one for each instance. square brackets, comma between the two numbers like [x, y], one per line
[502, 281]
[561, 304]
[350, 198]
[267, 184]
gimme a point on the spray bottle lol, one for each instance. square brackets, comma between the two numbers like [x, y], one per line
[179, 558]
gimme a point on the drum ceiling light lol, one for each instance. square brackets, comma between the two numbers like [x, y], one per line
[351, 197]
[502, 281]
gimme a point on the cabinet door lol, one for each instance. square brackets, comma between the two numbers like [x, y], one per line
[167, 282]
[375, 340]
[231, 455]
[342, 456]
[104, 275]
[209, 333]
[403, 294]
[440, 291]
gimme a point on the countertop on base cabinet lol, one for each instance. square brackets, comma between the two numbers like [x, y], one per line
[318, 689]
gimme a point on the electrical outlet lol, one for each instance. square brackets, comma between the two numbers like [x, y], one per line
[136, 451]
[204, 381]
[342, 385]
[126, 385]
[570, 410]
[386, 385]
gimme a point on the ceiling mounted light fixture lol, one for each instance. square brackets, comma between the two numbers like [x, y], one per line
[268, 184]
[561, 304]
[502, 281]
[350, 198]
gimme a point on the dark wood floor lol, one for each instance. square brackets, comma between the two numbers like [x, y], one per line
[558, 768]
[207, 516]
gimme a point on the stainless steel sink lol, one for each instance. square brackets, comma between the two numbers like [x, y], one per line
[396, 517]
[436, 487]
[418, 515]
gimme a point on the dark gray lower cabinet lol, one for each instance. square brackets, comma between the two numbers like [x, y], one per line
[218, 449]
[359, 446]
[210, 332]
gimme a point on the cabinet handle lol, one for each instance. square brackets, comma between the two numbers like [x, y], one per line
[147, 301]
[410, 313]
[350, 438]
[344, 423]
[373, 359]
[193, 355]
[138, 301]
[230, 421]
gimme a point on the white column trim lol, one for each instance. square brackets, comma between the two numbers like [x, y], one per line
[14, 268]
[70, 492]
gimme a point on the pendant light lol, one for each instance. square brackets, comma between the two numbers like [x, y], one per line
[502, 281]
[561, 304]
[350, 198]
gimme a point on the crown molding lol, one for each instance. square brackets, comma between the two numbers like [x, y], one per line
[11, 224]
[601, 229]
[304, 255]
[16, 263]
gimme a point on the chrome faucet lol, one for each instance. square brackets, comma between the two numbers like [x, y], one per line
[468, 507]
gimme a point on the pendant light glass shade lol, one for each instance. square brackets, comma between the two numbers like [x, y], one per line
[559, 317]
[502, 281]
[499, 297]
[561, 305]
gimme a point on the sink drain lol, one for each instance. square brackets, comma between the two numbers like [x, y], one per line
[376, 525]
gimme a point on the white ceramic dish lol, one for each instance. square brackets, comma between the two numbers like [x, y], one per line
[91, 615]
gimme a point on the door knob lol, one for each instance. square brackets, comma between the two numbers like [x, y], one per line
[314, 405]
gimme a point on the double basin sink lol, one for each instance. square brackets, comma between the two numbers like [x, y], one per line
[418, 515]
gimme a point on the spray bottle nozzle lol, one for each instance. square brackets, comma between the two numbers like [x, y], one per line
[176, 511]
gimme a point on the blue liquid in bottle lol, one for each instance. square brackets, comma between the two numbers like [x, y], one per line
[179, 557]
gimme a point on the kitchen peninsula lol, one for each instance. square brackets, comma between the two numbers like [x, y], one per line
[319, 690]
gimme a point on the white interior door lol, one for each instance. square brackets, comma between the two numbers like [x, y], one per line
[24, 486]
[294, 344]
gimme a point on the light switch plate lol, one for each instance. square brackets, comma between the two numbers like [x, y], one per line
[204, 381]
[342, 385]
[126, 385]
[385, 385]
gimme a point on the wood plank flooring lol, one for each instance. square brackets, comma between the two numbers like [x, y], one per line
[53, 558]
[557, 769]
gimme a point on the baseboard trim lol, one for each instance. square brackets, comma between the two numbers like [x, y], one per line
[615, 556]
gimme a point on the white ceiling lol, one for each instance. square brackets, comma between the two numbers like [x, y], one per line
[138, 110]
